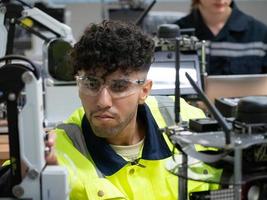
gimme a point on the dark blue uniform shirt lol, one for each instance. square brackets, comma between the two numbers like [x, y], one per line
[239, 48]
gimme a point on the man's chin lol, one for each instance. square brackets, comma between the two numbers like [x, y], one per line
[106, 128]
[105, 135]
[105, 131]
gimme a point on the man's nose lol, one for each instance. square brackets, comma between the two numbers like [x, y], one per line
[104, 98]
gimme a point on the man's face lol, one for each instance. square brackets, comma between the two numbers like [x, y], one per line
[109, 104]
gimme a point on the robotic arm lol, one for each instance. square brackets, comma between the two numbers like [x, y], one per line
[26, 138]
[61, 30]
[26, 16]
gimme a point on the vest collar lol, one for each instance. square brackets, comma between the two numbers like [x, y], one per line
[105, 158]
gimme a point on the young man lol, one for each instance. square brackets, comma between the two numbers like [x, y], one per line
[112, 147]
[122, 154]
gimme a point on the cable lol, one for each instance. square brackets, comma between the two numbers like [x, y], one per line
[32, 66]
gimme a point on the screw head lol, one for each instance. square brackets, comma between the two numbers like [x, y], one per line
[33, 174]
[18, 191]
[11, 96]
[27, 77]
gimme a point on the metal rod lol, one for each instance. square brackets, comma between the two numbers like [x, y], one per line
[203, 63]
[238, 173]
[144, 14]
[13, 137]
[177, 81]
[217, 115]
[183, 177]
[11, 36]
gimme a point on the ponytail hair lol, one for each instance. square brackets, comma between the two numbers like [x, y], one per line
[194, 4]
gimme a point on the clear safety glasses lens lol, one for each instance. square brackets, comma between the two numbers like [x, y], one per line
[117, 88]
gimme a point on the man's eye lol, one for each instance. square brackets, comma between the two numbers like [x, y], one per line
[119, 85]
[92, 84]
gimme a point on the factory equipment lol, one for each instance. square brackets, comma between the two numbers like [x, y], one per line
[21, 91]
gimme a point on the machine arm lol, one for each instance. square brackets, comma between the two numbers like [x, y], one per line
[21, 89]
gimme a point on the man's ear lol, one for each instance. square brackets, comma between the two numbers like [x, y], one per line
[145, 91]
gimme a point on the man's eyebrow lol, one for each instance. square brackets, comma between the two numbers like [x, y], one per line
[89, 74]
[92, 75]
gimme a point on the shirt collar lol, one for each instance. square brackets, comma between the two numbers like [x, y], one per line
[238, 20]
[106, 159]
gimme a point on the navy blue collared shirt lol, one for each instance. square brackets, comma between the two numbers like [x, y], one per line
[239, 48]
[106, 159]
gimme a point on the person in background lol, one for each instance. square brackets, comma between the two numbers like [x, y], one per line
[236, 42]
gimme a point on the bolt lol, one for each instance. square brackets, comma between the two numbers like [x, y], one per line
[27, 77]
[11, 96]
[12, 21]
[238, 141]
[24, 13]
[33, 174]
[18, 191]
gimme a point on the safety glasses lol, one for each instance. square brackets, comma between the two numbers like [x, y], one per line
[117, 88]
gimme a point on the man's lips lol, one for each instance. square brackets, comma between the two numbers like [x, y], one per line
[103, 116]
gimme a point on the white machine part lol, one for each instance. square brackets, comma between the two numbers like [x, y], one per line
[60, 102]
[40, 182]
[3, 31]
[61, 97]
[55, 112]
[41, 17]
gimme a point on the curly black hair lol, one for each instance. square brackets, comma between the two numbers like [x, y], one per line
[111, 46]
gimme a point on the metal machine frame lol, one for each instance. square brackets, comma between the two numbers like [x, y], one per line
[21, 89]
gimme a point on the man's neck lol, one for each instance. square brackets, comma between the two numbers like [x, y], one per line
[215, 22]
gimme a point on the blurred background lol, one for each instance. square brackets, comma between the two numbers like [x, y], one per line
[81, 12]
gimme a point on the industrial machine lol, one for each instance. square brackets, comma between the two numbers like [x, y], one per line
[57, 39]
[21, 91]
[23, 95]
[167, 57]
[240, 145]
[237, 145]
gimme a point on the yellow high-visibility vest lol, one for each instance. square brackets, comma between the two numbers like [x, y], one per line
[148, 180]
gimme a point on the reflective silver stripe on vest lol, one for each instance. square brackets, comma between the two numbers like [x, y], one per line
[76, 136]
[166, 108]
[229, 49]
